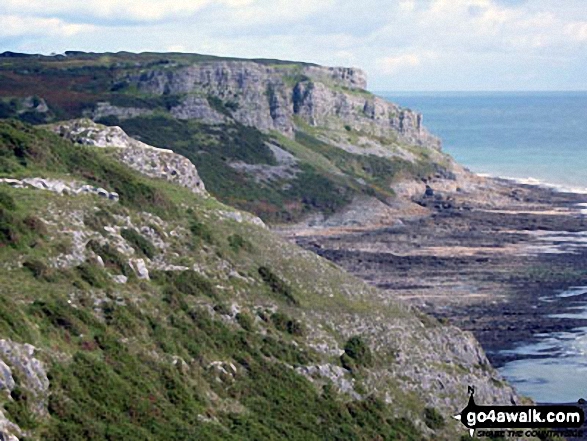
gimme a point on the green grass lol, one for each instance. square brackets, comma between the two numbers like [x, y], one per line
[211, 148]
[136, 360]
[330, 178]
[139, 242]
[27, 151]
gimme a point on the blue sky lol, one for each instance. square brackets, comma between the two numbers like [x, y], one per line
[402, 45]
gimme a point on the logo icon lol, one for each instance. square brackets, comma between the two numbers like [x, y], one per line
[475, 416]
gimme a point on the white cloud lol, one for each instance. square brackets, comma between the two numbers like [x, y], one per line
[176, 48]
[391, 65]
[127, 10]
[407, 42]
[577, 31]
[276, 12]
[14, 25]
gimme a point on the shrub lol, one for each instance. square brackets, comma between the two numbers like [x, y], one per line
[111, 257]
[236, 242]
[186, 282]
[14, 228]
[433, 418]
[201, 231]
[38, 269]
[245, 320]
[98, 220]
[277, 285]
[92, 275]
[19, 410]
[286, 324]
[7, 201]
[139, 242]
[358, 351]
[218, 105]
[35, 225]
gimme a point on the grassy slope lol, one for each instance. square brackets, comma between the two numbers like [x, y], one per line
[328, 177]
[133, 361]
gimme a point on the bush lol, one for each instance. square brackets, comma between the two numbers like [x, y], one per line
[139, 242]
[18, 409]
[7, 201]
[277, 285]
[186, 282]
[92, 275]
[246, 321]
[16, 229]
[38, 269]
[236, 242]
[358, 351]
[286, 324]
[111, 257]
[433, 418]
[201, 231]
[98, 220]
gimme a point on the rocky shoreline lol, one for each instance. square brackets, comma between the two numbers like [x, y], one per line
[494, 269]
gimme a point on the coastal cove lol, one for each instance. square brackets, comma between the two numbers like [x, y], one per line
[502, 269]
[535, 138]
[498, 272]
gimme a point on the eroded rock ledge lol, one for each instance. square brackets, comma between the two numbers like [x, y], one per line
[151, 161]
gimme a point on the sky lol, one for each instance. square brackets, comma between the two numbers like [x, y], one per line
[403, 45]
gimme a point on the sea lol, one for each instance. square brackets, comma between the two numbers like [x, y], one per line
[532, 137]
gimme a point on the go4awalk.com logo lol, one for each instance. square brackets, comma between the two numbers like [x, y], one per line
[551, 420]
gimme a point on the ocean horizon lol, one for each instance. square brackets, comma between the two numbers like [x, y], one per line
[537, 138]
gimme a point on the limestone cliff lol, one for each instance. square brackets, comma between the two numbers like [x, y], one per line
[284, 140]
[270, 97]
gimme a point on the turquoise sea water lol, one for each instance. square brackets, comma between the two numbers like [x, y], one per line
[525, 135]
[531, 137]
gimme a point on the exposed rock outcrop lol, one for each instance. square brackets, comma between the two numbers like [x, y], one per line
[61, 187]
[19, 368]
[268, 97]
[151, 161]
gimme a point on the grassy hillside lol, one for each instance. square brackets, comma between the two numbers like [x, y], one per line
[235, 161]
[213, 345]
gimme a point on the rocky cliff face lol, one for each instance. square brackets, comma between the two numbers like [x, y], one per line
[148, 160]
[270, 97]
[229, 117]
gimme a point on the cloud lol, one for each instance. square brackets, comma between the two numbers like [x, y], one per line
[128, 10]
[14, 26]
[390, 65]
[577, 31]
[417, 43]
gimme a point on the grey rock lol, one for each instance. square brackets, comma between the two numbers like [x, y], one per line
[195, 107]
[120, 279]
[242, 216]
[336, 374]
[6, 381]
[140, 269]
[269, 97]
[8, 430]
[104, 109]
[34, 103]
[61, 187]
[150, 161]
[30, 370]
